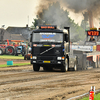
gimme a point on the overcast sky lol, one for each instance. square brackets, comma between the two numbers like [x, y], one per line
[16, 12]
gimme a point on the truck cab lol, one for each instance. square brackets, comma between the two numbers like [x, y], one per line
[50, 47]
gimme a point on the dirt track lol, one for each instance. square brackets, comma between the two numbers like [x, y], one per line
[22, 83]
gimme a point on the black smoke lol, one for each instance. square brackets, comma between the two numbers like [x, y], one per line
[57, 16]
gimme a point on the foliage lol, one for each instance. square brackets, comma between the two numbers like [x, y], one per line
[35, 23]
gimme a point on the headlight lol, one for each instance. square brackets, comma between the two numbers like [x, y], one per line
[34, 57]
[58, 58]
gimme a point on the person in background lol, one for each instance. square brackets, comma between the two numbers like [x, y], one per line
[92, 39]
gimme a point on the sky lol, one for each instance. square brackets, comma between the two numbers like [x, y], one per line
[18, 13]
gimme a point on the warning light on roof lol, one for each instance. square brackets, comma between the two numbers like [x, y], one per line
[47, 27]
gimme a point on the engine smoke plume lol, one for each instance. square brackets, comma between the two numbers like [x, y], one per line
[58, 16]
[76, 6]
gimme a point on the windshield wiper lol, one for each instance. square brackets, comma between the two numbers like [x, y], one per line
[46, 50]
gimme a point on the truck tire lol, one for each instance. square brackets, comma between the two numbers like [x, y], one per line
[25, 57]
[95, 64]
[98, 63]
[9, 50]
[65, 68]
[23, 54]
[87, 64]
[1, 51]
[23, 51]
[75, 67]
[16, 54]
[36, 67]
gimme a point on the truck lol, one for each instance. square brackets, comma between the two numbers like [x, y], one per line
[51, 48]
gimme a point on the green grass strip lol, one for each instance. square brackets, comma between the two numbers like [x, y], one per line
[20, 64]
[96, 97]
[11, 57]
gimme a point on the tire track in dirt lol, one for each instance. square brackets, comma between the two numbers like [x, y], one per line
[30, 85]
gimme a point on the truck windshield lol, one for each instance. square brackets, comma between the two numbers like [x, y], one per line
[47, 37]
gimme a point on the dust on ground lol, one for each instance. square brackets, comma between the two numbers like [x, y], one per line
[22, 83]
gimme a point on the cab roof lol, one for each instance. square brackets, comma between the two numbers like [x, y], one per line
[47, 28]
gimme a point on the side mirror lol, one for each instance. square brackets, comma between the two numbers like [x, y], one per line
[31, 38]
[66, 38]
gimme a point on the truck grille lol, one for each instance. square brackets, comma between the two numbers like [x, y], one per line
[46, 58]
[42, 51]
[49, 52]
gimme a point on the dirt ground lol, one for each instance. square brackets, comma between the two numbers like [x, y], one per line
[22, 83]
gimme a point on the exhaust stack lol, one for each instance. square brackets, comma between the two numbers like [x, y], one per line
[91, 19]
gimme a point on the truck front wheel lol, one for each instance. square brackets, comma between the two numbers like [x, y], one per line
[75, 67]
[65, 66]
[36, 67]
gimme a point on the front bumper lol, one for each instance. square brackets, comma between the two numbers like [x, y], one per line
[46, 60]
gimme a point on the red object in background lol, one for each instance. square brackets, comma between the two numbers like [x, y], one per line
[91, 95]
[98, 47]
[7, 42]
[2, 46]
[15, 45]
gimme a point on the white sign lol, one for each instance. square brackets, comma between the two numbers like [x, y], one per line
[83, 48]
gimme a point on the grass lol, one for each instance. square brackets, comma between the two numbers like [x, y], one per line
[96, 97]
[11, 57]
[20, 64]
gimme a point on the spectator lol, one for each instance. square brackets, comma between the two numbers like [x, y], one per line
[92, 39]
